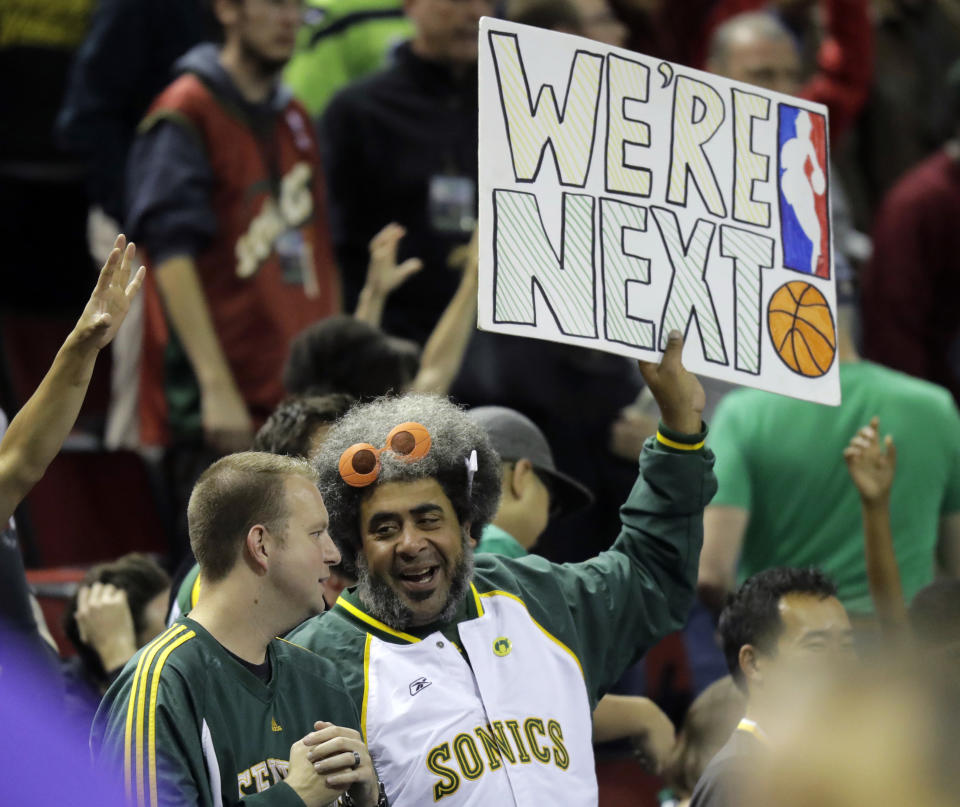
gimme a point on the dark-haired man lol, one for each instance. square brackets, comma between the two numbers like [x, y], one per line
[780, 623]
[401, 145]
[477, 676]
[216, 710]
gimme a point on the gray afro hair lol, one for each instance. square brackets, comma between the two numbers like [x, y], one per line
[454, 437]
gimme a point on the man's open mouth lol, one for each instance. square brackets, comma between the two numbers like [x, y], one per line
[419, 579]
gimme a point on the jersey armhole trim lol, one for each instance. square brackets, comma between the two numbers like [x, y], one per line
[550, 636]
[477, 600]
[366, 686]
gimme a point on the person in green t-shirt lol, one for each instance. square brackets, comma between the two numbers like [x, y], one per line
[785, 498]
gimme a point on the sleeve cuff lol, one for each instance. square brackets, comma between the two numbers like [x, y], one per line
[678, 441]
[171, 249]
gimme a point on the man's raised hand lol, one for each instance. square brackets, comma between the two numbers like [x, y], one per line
[871, 463]
[383, 273]
[677, 392]
[111, 298]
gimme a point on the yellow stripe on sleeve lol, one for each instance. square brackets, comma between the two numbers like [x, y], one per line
[142, 681]
[151, 723]
[366, 686]
[679, 446]
[131, 708]
[550, 636]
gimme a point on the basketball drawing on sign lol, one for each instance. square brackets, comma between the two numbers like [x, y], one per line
[804, 212]
[802, 330]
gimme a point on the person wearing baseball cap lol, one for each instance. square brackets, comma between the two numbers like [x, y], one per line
[532, 489]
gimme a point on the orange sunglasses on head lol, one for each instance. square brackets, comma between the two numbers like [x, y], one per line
[360, 464]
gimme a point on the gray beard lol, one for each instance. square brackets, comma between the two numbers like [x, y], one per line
[383, 603]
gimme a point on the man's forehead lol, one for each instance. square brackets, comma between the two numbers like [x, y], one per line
[400, 497]
[304, 497]
[804, 613]
[756, 47]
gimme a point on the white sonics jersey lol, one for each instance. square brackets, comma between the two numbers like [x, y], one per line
[513, 730]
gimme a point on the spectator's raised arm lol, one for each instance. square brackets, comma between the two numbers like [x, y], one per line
[443, 353]
[872, 465]
[38, 431]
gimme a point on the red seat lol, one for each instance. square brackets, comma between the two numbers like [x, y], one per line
[623, 783]
[93, 506]
[29, 346]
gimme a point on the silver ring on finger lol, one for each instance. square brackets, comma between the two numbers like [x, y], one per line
[356, 761]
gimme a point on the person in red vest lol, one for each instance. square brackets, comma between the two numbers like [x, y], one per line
[226, 194]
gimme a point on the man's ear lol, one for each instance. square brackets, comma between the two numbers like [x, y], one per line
[750, 666]
[258, 548]
[520, 478]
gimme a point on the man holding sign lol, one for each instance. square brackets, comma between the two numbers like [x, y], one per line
[476, 679]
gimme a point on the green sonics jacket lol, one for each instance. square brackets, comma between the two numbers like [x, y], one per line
[190, 725]
[494, 708]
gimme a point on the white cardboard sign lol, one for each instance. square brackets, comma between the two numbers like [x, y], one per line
[623, 196]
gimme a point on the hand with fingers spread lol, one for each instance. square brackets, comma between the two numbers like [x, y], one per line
[871, 463]
[677, 392]
[341, 758]
[384, 275]
[110, 301]
[106, 624]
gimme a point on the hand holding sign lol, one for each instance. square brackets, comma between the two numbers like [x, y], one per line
[677, 391]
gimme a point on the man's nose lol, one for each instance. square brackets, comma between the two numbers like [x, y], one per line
[331, 554]
[411, 541]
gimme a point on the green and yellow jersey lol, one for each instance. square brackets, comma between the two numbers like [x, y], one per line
[494, 706]
[191, 725]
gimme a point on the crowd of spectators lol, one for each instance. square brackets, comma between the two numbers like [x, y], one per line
[300, 178]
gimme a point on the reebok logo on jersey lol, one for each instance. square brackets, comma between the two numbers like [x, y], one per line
[274, 725]
[419, 685]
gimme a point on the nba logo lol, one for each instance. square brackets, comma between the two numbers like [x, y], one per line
[802, 188]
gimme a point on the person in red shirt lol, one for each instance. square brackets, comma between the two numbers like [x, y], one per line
[226, 195]
[911, 285]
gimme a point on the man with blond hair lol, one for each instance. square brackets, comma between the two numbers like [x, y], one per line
[216, 710]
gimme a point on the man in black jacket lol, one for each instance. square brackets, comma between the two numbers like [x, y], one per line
[401, 146]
